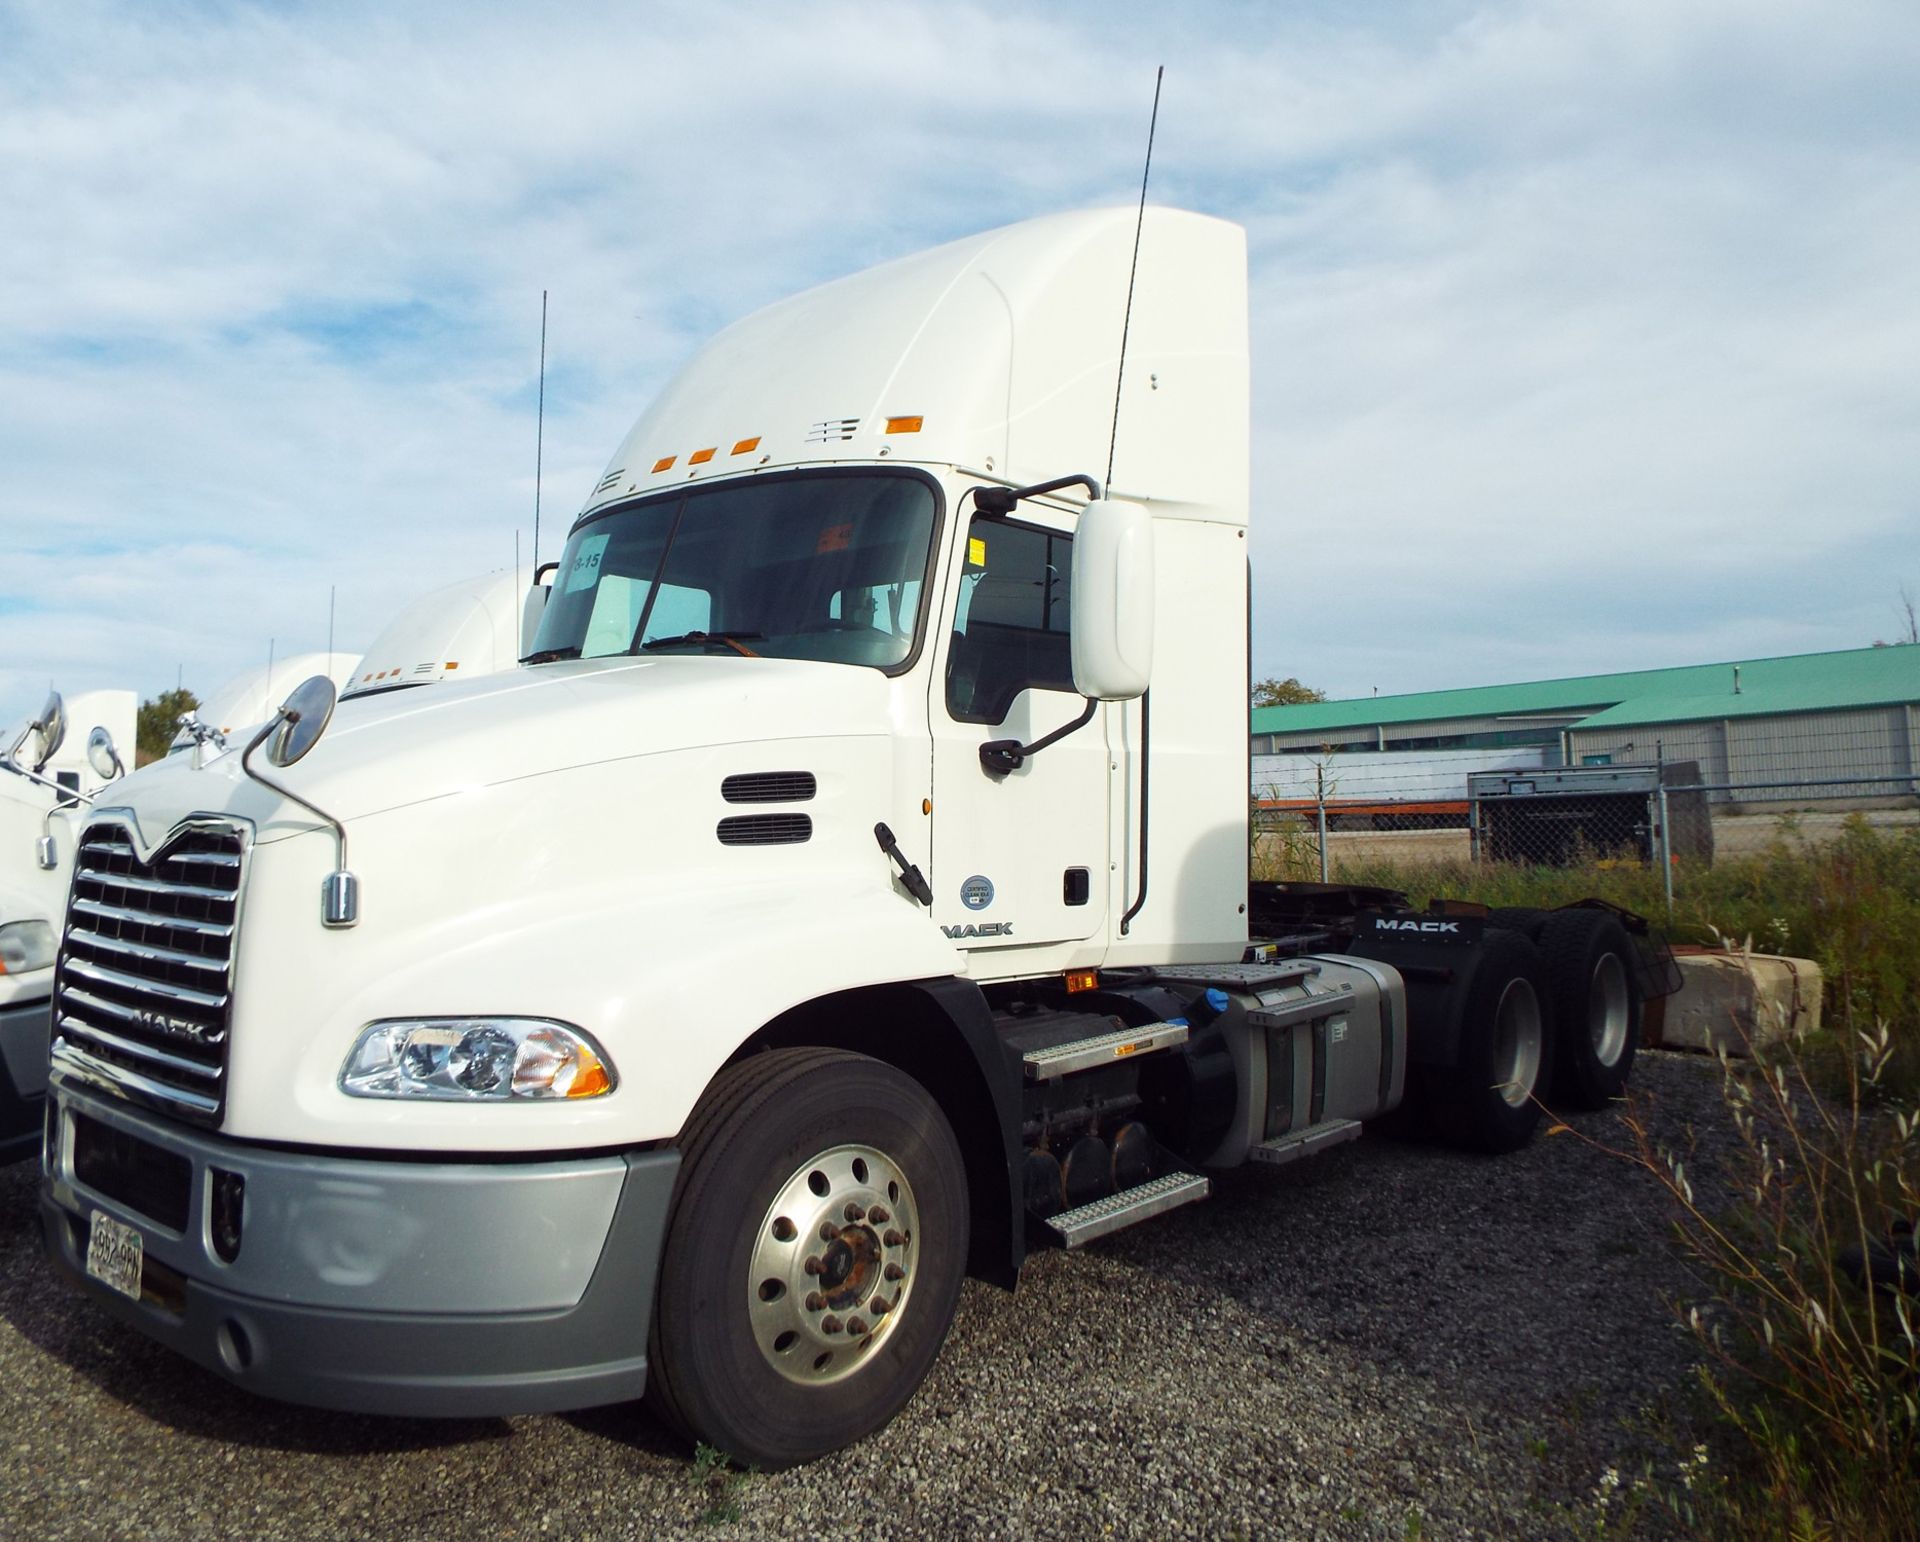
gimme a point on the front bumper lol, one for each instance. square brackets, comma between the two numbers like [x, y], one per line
[459, 1289]
[23, 1075]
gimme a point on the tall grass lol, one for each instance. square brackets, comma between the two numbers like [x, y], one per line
[1850, 902]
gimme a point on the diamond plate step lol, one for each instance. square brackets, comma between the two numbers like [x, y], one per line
[1074, 1227]
[1102, 1049]
[1283, 1149]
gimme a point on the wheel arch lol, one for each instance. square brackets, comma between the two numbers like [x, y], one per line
[939, 1032]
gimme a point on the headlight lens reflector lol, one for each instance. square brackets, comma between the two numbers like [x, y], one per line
[25, 945]
[493, 1059]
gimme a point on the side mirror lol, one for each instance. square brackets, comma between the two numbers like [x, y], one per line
[51, 726]
[1113, 600]
[102, 756]
[302, 718]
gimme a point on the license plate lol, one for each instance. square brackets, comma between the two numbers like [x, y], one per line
[114, 1255]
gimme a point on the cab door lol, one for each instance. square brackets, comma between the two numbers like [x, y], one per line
[1019, 860]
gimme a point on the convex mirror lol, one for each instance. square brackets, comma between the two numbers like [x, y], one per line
[102, 755]
[51, 726]
[303, 718]
[1113, 600]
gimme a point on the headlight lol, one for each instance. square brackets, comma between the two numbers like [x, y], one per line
[503, 1059]
[25, 945]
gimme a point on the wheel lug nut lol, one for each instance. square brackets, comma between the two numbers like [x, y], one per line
[828, 1231]
[814, 1266]
[879, 1215]
[856, 1326]
[815, 1301]
[894, 1239]
[853, 1211]
[880, 1306]
[894, 1272]
[830, 1324]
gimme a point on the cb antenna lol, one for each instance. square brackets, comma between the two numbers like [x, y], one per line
[1132, 272]
[539, 433]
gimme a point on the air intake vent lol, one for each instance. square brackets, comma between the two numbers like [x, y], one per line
[833, 430]
[769, 787]
[765, 830]
[611, 479]
[146, 969]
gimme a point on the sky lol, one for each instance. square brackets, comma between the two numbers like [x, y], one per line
[1585, 336]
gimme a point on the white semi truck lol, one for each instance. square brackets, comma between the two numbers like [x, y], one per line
[47, 777]
[847, 893]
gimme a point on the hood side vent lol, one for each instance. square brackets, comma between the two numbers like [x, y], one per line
[765, 830]
[769, 787]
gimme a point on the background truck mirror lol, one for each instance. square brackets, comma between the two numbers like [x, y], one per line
[1112, 600]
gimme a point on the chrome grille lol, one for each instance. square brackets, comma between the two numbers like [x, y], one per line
[144, 990]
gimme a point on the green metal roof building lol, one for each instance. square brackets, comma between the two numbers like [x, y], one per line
[1832, 720]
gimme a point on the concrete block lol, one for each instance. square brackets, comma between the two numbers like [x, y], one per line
[1734, 999]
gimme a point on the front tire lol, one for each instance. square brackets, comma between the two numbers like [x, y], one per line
[813, 1258]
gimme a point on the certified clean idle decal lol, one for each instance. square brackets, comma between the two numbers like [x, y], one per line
[977, 892]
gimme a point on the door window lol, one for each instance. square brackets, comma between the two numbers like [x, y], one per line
[1012, 626]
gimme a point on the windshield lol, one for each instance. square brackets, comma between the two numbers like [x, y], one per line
[826, 566]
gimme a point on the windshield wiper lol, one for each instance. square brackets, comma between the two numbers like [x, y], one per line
[548, 655]
[731, 639]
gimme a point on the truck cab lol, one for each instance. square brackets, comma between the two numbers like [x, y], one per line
[847, 890]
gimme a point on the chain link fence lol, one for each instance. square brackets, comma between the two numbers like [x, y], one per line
[1674, 802]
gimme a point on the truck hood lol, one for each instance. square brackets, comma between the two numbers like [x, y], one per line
[401, 748]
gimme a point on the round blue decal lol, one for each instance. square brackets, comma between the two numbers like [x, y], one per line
[977, 892]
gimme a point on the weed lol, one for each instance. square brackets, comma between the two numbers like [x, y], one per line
[719, 1483]
[1805, 1310]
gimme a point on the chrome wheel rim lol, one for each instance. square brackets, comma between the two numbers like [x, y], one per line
[1609, 1008]
[1517, 1036]
[833, 1264]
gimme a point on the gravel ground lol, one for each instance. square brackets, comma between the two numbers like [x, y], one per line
[1385, 1341]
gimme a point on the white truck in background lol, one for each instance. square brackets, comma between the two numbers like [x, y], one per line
[47, 776]
[847, 893]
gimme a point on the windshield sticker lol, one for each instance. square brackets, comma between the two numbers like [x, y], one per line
[977, 892]
[834, 538]
[585, 567]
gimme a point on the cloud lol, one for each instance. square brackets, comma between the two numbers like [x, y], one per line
[1583, 334]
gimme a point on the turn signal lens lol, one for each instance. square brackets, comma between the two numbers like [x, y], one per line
[1082, 980]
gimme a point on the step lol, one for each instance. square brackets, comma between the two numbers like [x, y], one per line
[1283, 1149]
[1101, 1049]
[1155, 1197]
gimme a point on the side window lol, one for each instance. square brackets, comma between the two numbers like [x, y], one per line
[1011, 628]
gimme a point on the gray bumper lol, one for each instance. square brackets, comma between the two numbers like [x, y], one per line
[401, 1287]
[23, 1076]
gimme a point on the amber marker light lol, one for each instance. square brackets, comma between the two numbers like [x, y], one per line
[664, 462]
[453, 663]
[745, 446]
[1082, 980]
[701, 457]
[904, 425]
[591, 1079]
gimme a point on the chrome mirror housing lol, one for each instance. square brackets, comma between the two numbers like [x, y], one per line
[304, 716]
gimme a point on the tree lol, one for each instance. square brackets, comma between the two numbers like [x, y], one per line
[1284, 693]
[158, 722]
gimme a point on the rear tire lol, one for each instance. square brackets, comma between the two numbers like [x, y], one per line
[813, 1257]
[1520, 918]
[1596, 1006]
[1488, 1101]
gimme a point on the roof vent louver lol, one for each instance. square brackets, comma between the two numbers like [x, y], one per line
[765, 830]
[769, 787]
[610, 480]
[833, 430]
